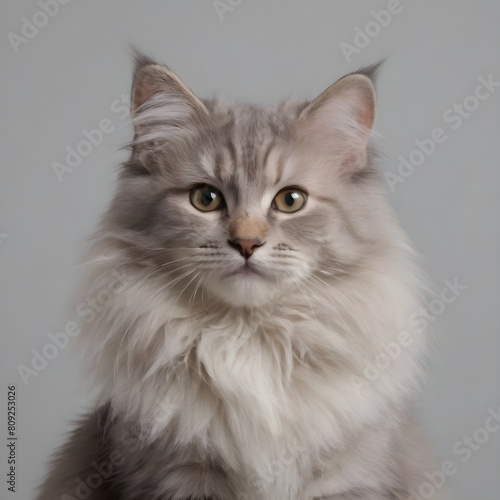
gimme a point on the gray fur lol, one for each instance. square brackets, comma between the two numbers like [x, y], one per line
[250, 386]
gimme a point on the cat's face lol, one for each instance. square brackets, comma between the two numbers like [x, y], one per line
[242, 203]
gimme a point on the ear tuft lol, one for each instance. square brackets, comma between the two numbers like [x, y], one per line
[141, 60]
[371, 71]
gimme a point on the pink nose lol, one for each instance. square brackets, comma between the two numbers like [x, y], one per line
[246, 246]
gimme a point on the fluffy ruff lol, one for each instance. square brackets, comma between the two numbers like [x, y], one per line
[276, 388]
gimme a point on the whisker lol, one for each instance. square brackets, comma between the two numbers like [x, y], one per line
[176, 260]
[351, 307]
[182, 276]
[193, 296]
[210, 276]
[184, 289]
[302, 291]
[173, 282]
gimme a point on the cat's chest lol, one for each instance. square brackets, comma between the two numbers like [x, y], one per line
[252, 359]
[262, 397]
[263, 380]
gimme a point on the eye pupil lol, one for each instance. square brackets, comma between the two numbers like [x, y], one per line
[207, 197]
[290, 198]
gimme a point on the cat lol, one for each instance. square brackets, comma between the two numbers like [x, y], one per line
[262, 270]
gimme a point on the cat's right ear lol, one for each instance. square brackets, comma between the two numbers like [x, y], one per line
[166, 113]
[153, 79]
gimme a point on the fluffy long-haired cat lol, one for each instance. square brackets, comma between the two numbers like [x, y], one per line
[251, 271]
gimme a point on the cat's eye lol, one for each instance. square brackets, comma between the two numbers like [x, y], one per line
[290, 200]
[206, 198]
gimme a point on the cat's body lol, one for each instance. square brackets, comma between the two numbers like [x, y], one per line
[232, 359]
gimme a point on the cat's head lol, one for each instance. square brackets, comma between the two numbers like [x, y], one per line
[243, 203]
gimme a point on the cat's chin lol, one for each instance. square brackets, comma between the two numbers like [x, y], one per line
[245, 288]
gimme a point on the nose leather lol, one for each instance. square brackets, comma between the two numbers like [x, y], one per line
[246, 246]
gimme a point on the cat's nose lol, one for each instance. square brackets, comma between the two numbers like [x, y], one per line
[246, 246]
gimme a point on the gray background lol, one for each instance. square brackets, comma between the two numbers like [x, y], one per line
[66, 78]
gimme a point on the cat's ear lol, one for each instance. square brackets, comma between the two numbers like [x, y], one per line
[342, 119]
[165, 111]
[152, 79]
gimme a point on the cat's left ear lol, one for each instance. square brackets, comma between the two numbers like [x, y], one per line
[342, 119]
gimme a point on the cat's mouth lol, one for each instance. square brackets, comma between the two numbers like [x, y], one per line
[246, 270]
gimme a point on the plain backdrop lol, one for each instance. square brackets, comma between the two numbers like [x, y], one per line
[75, 71]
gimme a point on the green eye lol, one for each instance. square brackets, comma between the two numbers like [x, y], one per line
[206, 198]
[290, 200]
